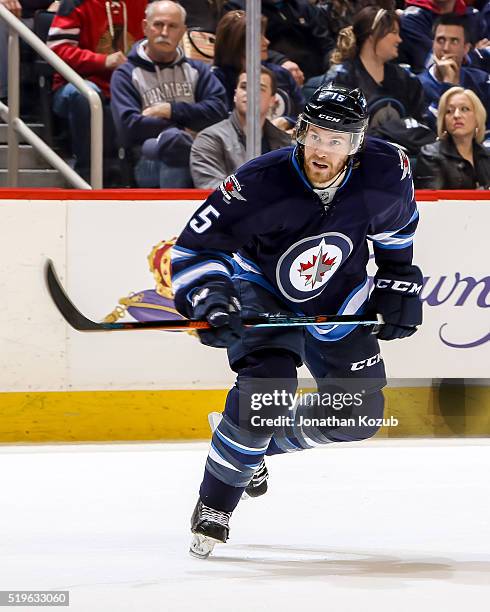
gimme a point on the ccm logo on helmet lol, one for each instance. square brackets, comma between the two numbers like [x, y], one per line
[366, 363]
[328, 118]
[397, 285]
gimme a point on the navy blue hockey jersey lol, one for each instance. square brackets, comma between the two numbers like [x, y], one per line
[267, 224]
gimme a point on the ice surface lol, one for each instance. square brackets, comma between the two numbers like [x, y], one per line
[376, 526]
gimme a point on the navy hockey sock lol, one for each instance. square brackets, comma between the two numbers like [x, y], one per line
[219, 495]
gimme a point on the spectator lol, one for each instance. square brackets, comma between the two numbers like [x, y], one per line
[416, 29]
[362, 59]
[159, 96]
[24, 9]
[92, 37]
[220, 149]
[449, 49]
[203, 14]
[229, 62]
[298, 33]
[457, 160]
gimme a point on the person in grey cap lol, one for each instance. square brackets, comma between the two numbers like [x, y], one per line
[160, 99]
[220, 149]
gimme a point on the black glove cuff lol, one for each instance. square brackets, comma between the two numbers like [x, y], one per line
[396, 296]
[213, 296]
[404, 280]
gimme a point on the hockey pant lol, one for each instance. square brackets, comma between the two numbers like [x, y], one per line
[268, 363]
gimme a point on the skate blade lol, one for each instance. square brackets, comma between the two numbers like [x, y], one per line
[202, 546]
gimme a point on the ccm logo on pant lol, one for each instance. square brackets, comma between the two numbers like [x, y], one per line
[366, 363]
[397, 285]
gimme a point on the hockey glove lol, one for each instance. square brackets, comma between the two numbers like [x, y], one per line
[396, 296]
[216, 304]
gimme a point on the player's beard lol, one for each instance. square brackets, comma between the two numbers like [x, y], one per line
[321, 177]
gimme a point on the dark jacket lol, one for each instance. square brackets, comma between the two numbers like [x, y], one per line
[469, 78]
[296, 29]
[416, 25]
[440, 166]
[29, 7]
[398, 84]
[203, 15]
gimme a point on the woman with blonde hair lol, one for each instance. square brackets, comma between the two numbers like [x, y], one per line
[457, 160]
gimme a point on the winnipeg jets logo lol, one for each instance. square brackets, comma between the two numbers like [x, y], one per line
[230, 188]
[314, 270]
[305, 269]
[404, 163]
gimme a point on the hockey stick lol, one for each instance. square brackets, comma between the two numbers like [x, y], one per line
[80, 322]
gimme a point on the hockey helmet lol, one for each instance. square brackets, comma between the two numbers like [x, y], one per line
[338, 109]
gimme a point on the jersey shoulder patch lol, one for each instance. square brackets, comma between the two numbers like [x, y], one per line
[404, 163]
[231, 188]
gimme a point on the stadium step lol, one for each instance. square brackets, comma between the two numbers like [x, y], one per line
[28, 157]
[35, 178]
[34, 170]
[35, 127]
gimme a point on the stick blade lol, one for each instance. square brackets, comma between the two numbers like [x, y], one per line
[65, 306]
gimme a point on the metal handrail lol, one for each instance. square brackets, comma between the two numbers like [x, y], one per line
[16, 126]
[253, 66]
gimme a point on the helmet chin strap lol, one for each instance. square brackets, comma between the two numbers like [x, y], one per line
[300, 156]
[327, 193]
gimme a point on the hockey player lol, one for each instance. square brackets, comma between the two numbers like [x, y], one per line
[289, 233]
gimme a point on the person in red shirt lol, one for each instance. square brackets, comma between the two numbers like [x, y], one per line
[93, 37]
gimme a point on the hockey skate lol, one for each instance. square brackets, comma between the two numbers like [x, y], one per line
[209, 527]
[258, 485]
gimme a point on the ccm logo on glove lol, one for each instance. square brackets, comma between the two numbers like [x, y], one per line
[398, 285]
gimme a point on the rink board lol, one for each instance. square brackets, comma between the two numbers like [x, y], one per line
[58, 384]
